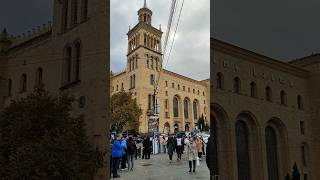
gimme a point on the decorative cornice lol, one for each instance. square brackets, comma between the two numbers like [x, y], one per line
[253, 57]
[184, 77]
[146, 26]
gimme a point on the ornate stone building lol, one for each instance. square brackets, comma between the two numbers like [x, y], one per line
[69, 55]
[264, 114]
[181, 100]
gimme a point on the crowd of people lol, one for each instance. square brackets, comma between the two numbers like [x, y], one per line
[127, 149]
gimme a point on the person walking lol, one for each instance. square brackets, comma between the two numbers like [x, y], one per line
[163, 144]
[131, 151]
[124, 153]
[199, 144]
[192, 154]
[139, 149]
[147, 147]
[116, 156]
[203, 147]
[170, 147]
[178, 146]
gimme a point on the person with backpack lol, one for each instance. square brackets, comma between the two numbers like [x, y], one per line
[131, 145]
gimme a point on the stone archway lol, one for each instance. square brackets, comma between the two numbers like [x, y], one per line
[220, 143]
[276, 142]
[248, 147]
[166, 128]
[176, 128]
[187, 127]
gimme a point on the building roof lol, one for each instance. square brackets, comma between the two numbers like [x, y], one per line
[183, 77]
[257, 58]
[311, 59]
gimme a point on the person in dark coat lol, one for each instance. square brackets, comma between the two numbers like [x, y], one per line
[147, 147]
[170, 147]
[131, 145]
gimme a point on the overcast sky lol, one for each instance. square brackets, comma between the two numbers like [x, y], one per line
[190, 55]
[282, 29]
[20, 16]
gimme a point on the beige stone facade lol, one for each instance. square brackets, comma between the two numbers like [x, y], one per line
[264, 114]
[144, 63]
[69, 55]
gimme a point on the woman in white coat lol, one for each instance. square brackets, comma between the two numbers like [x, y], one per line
[192, 154]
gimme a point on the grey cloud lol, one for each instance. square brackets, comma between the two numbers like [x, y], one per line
[280, 29]
[191, 46]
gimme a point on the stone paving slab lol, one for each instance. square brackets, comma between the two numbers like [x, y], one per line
[159, 167]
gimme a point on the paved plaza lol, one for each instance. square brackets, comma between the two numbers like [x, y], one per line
[158, 167]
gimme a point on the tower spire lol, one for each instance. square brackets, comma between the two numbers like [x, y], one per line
[145, 4]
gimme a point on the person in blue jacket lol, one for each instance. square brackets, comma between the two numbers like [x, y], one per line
[124, 153]
[116, 156]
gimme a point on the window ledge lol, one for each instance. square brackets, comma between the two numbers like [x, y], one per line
[70, 85]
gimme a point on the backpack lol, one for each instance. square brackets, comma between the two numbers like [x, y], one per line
[131, 148]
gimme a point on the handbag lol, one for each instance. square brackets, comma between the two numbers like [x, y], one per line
[198, 161]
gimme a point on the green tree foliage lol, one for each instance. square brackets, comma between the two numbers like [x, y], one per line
[39, 140]
[125, 112]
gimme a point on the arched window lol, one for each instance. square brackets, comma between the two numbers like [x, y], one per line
[152, 79]
[304, 152]
[9, 87]
[299, 102]
[272, 153]
[68, 62]
[23, 83]
[39, 76]
[84, 9]
[74, 12]
[219, 80]
[253, 89]
[150, 102]
[268, 94]
[236, 85]
[195, 110]
[242, 144]
[175, 107]
[77, 61]
[134, 81]
[283, 98]
[186, 108]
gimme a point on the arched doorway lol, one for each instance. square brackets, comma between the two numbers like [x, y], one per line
[166, 128]
[186, 127]
[176, 128]
[242, 144]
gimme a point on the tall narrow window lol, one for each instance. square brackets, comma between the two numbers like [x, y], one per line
[84, 9]
[23, 83]
[134, 81]
[299, 102]
[152, 79]
[272, 153]
[68, 65]
[253, 89]
[303, 154]
[77, 61]
[242, 145]
[302, 128]
[74, 11]
[166, 83]
[219, 80]
[268, 94]
[186, 108]
[283, 98]
[236, 85]
[9, 87]
[175, 107]
[195, 109]
[39, 75]
[64, 16]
